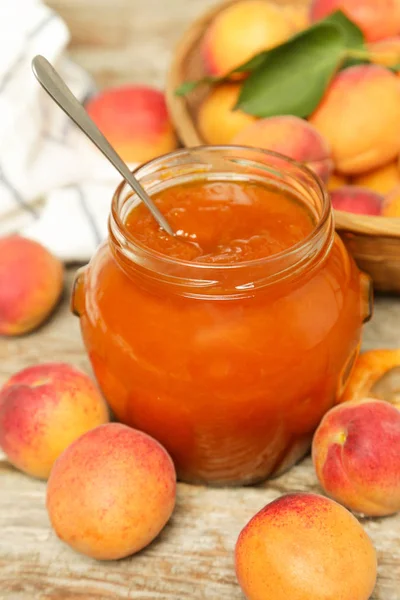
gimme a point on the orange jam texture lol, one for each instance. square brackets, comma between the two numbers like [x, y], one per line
[222, 222]
[232, 386]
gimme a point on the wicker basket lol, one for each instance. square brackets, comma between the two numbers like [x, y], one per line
[373, 241]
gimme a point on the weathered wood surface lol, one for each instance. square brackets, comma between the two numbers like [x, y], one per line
[130, 40]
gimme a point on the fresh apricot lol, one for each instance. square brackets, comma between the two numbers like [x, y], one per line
[218, 122]
[356, 454]
[336, 180]
[291, 136]
[369, 369]
[391, 206]
[305, 547]
[135, 120]
[359, 116]
[42, 410]
[242, 30]
[381, 180]
[31, 282]
[111, 492]
[358, 200]
[377, 19]
[298, 15]
[385, 52]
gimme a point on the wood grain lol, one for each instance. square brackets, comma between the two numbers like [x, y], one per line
[128, 40]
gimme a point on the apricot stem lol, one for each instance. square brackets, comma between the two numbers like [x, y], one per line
[341, 438]
[368, 55]
[357, 53]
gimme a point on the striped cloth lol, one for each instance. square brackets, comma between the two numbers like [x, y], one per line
[54, 185]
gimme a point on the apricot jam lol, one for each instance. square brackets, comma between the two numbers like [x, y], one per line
[222, 221]
[228, 342]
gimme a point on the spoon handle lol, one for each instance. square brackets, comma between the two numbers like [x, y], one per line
[54, 85]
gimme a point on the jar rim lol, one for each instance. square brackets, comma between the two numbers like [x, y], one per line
[119, 230]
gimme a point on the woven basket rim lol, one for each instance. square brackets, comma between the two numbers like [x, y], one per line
[377, 226]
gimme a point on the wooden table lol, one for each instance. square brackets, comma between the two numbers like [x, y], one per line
[130, 40]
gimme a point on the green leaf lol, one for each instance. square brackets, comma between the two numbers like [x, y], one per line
[189, 86]
[292, 77]
[248, 66]
[251, 65]
[353, 36]
[186, 88]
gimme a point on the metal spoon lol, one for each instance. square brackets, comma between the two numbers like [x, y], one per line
[55, 86]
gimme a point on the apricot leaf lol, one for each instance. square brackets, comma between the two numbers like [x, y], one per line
[250, 65]
[311, 41]
[293, 76]
[357, 52]
[185, 88]
[188, 86]
[353, 36]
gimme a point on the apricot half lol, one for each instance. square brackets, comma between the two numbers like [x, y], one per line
[368, 370]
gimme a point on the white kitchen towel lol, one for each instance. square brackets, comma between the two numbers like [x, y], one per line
[55, 187]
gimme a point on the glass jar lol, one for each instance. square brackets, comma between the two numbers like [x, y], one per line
[230, 367]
